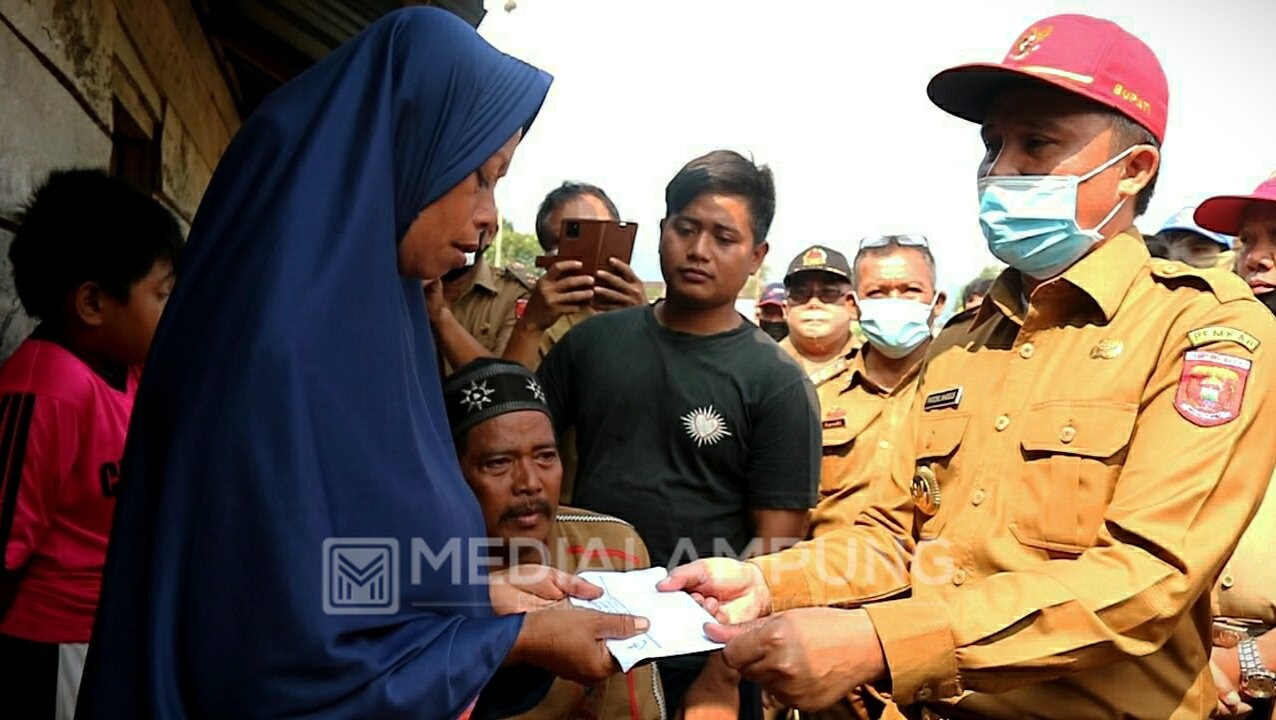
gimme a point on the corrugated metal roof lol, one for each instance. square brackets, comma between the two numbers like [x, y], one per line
[262, 43]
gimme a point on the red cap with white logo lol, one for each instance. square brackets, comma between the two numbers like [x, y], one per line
[1094, 58]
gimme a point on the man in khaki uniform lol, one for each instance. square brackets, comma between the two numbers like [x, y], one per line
[1089, 444]
[864, 408]
[817, 289]
[506, 447]
[487, 301]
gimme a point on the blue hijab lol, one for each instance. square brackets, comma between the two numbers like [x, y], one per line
[292, 395]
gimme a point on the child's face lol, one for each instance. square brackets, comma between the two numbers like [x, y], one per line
[128, 327]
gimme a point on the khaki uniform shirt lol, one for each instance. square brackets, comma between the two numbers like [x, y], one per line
[488, 307]
[861, 423]
[1076, 499]
[555, 332]
[1246, 592]
[581, 540]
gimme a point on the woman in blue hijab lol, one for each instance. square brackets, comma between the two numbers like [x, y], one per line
[291, 410]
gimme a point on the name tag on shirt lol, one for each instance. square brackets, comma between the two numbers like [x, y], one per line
[950, 398]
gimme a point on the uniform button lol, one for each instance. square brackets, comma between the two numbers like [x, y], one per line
[923, 693]
[959, 576]
[1068, 434]
[1228, 582]
[978, 497]
[1002, 423]
[885, 444]
[1025, 351]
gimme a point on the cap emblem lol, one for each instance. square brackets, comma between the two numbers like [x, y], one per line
[1030, 41]
[815, 256]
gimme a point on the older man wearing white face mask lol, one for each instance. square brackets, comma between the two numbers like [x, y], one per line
[863, 408]
[893, 288]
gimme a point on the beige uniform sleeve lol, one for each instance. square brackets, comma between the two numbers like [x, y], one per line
[512, 291]
[858, 562]
[1181, 501]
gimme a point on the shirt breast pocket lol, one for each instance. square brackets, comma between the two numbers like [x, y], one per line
[938, 438]
[1072, 452]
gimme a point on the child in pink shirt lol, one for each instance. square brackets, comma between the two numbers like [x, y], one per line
[94, 262]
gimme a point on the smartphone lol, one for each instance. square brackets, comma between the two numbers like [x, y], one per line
[593, 243]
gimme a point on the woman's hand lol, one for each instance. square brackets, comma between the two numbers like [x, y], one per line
[435, 304]
[527, 588]
[572, 642]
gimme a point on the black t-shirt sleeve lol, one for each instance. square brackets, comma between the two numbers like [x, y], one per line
[784, 459]
[556, 374]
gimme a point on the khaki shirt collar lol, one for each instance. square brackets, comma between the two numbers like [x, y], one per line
[859, 373]
[1104, 276]
[483, 275]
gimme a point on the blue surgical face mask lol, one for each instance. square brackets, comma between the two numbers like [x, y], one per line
[895, 326]
[1030, 221]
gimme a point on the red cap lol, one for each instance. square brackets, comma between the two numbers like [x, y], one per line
[1093, 58]
[1223, 213]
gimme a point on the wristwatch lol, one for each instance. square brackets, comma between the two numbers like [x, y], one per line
[1256, 680]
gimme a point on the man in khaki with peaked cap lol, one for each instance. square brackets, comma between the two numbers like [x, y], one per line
[1088, 444]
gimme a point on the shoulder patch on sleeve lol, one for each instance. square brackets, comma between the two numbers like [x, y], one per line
[1225, 285]
[520, 276]
[1211, 387]
[1221, 333]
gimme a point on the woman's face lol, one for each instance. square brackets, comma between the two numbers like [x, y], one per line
[454, 224]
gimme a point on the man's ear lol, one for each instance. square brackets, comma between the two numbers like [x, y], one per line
[87, 302]
[941, 300]
[759, 255]
[1140, 168]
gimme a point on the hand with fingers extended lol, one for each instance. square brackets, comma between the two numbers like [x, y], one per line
[571, 642]
[807, 659]
[527, 588]
[730, 590]
[618, 287]
[561, 291]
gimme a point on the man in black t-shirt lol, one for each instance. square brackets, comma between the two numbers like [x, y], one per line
[691, 423]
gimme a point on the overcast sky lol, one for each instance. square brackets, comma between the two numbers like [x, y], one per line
[835, 102]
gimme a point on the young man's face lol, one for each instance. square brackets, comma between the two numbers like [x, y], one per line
[127, 327]
[1042, 130]
[707, 251]
[1257, 241]
[819, 306]
[511, 463]
[452, 226]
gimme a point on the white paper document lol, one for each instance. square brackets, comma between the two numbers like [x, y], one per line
[677, 620]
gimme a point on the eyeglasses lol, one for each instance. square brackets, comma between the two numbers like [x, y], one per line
[902, 240]
[827, 294]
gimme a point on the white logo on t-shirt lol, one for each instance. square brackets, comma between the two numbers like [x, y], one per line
[705, 425]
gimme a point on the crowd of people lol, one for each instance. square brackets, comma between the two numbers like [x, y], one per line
[1050, 506]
